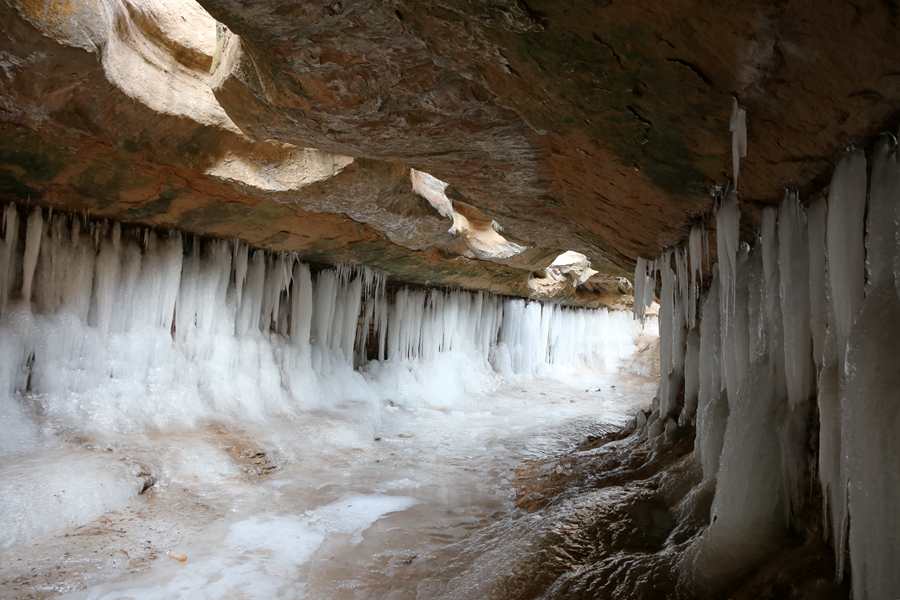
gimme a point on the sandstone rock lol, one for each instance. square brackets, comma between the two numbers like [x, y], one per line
[595, 127]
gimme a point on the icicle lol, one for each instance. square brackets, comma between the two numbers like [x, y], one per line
[696, 247]
[301, 306]
[683, 279]
[137, 328]
[738, 128]
[727, 241]
[78, 275]
[324, 306]
[671, 341]
[747, 511]
[352, 297]
[844, 237]
[251, 302]
[793, 265]
[33, 236]
[870, 403]
[771, 334]
[882, 221]
[107, 279]
[640, 280]
[845, 247]
[8, 253]
[834, 497]
[712, 410]
[691, 378]
[816, 216]
[241, 255]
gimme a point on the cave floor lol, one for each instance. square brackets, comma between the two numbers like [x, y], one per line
[356, 502]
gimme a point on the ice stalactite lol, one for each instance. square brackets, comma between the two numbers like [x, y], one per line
[738, 127]
[834, 495]
[32, 247]
[640, 281]
[691, 378]
[845, 247]
[644, 286]
[870, 395]
[681, 279]
[769, 334]
[811, 312]
[423, 324]
[105, 327]
[536, 338]
[793, 268]
[712, 406]
[671, 340]
[10, 231]
[728, 220]
[845, 266]
[698, 254]
[747, 519]
[818, 286]
[735, 332]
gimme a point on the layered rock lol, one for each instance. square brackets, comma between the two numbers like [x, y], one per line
[583, 126]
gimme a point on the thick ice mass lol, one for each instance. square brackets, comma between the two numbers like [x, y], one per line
[111, 331]
[844, 239]
[810, 312]
[870, 399]
[122, 322]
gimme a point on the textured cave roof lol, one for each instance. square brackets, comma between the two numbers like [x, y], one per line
[587, 125]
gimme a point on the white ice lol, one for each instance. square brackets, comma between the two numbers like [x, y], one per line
[131, 331]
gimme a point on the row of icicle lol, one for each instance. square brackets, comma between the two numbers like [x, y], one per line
[120, 278]
[805, 322]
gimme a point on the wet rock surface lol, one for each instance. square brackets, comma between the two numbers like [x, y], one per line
[619, 514]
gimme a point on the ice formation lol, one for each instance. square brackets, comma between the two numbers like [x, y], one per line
[698, 253]
[845, 247]
[130, 328]
[801, 327]
[671, 340]
[712, 407]
[747, 511]
[108, 329]
[728, 220]
[738, 127]
[870, 398]
[644, 284]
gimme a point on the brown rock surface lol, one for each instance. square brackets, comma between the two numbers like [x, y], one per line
[590, 125]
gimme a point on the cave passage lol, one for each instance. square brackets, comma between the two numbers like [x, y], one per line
[333, 300]
[191, 417]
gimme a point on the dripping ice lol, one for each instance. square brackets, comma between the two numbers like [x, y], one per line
[805, 321]
[105, 326]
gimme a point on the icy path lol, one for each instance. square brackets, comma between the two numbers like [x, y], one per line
[350, 511]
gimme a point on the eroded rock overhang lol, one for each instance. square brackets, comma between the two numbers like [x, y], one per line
[588, 127]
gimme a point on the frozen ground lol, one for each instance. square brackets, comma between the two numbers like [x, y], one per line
[334, 504]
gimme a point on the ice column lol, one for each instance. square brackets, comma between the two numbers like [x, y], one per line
[871, 392]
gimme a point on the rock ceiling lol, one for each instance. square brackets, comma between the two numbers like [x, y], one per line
[587, 125]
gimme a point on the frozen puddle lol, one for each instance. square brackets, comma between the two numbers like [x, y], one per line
[332, 506]
[259, 557]
[59, 489]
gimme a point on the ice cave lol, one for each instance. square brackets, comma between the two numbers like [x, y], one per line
[500, 300]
